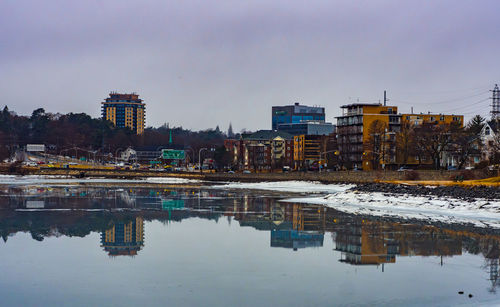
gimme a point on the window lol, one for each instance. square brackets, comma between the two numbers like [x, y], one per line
[441, 118]
[433, 118]
[487, 131]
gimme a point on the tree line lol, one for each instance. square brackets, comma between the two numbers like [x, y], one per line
[63, 132]
[425, 144]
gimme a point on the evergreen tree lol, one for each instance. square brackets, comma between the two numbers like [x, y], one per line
[476, 124]
[230, 133]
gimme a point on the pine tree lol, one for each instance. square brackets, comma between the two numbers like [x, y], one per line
[230, 133]
[476, 124]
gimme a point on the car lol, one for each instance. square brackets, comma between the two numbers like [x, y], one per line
[230, 172]
[404, 168]
[247, 172]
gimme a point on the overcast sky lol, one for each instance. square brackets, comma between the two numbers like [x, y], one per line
[199, 64]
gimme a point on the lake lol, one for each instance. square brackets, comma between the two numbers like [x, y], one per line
[188, 245]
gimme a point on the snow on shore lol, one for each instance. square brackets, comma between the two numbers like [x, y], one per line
[288, 186]
[64, 180]
[482, 213]
[170, 180]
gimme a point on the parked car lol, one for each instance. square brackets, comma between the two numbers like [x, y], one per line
[404, 168]
[230, 172]
[247, 172]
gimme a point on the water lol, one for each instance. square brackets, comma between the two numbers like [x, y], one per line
[191, 246]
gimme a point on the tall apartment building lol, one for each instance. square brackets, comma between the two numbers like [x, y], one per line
[296, 113]
[125, 110]
[358, 139]
[367, 133]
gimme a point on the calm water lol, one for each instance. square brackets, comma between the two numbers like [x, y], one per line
[189, 246]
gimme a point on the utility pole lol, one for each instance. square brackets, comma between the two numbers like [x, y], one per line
[385, 98]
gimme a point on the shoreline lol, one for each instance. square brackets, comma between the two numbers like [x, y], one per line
[423, 177]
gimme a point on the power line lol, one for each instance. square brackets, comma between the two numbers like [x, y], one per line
[484, 87]
[443, 101]
[470, 105]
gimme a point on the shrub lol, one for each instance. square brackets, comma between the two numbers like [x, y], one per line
[412, 175]
[481, 165]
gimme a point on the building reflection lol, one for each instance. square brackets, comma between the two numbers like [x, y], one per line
[373, 242]
[358, 240]
[124, 238]
[293, 226]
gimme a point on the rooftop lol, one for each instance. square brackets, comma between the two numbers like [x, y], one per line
[360, 104]
[268, 135]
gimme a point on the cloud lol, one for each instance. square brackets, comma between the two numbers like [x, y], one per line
[205, 63]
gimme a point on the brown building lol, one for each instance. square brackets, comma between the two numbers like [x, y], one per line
[262, 150]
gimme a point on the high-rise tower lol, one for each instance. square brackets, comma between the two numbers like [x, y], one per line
[125, 110]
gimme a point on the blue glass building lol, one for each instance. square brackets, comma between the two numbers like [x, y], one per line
[296, 113]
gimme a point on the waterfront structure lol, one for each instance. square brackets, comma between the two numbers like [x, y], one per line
[490, 139]
[309, 151]
[448, 158]
[435, 119]
[296, 113]
[308, 128]
[262, 150]
[125, 111]
[366, 135]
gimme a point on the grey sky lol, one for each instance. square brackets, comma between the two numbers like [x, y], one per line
[205, 63]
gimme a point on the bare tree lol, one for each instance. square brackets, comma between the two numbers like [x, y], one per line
[376, 145]
[405, 142]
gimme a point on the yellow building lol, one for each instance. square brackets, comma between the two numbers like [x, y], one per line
[415, 120]
[125, 110]
[439, 119]
[366, 136]
[308, 149]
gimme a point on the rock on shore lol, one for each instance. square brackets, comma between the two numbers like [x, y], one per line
[467, 193]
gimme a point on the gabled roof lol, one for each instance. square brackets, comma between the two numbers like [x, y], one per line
[493, 125]
[268, 135]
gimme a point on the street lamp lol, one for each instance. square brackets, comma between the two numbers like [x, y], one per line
[116, 154]
[324, 153]
[199, 157]
[192, 152]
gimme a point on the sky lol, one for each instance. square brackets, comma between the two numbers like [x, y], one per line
[202, 63]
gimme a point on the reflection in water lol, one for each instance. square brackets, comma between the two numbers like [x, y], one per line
[119, 216]
[124, 238]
